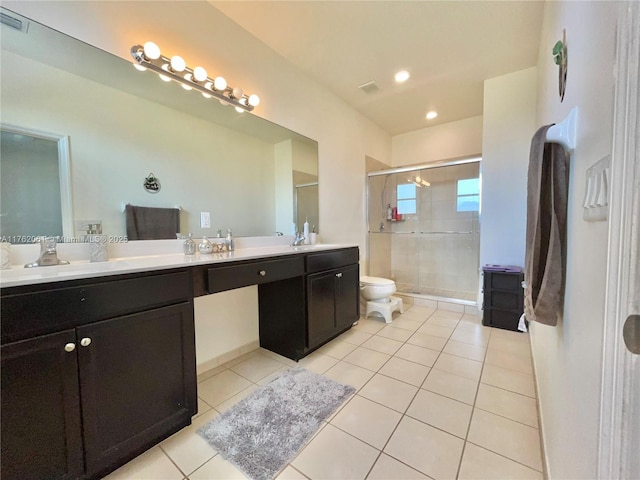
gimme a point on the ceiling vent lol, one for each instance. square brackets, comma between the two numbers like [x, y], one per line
[14, 22]
[370, 87]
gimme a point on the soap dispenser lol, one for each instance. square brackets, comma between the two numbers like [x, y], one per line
[189, 245]
[305, 227]
[229, 241]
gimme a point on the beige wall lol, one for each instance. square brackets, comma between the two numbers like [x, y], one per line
[461, 139]
[568, 358]
[509, 124]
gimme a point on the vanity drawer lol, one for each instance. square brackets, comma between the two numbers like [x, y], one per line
[49, 310]
[318, 262]
[254, 273]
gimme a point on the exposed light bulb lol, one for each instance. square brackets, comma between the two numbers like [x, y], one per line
[219, 83]
[177, 64]
[164, 78]
[254, 100]
[239, 110]
[206, 95]
[402, 76]
[431, 115]
[139, 67]
[237, 93]
[184, 85]
[151, 51]
[200, 74]
[223, 102]
[418, 179]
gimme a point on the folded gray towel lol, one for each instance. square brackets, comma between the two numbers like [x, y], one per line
[547, 196]
[149, 223]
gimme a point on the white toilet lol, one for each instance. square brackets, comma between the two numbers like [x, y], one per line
[378, 294]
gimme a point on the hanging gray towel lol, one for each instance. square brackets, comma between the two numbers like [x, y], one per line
[545, 260]
[148, 223]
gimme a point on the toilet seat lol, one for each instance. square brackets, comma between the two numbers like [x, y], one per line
[364, 280]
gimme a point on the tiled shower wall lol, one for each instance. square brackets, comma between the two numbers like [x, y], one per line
[435, 251]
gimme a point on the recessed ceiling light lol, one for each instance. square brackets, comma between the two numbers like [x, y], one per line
[402, 76]
[431, 115]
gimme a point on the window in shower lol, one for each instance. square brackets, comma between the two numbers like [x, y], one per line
[406, 194]
[468, 199]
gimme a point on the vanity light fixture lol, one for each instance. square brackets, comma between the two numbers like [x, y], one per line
[148, 57]
[419, 181]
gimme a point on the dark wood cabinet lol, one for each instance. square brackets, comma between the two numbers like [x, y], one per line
[503, 299]
[81, 402]
[41, 429]
[332, 303]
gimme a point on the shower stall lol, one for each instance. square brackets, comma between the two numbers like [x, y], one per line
[424, 228]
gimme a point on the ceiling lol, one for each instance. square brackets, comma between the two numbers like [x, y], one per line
[449, 47]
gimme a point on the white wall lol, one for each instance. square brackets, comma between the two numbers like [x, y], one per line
[447, 141]
[508, 125]
[568, 358]
[202, 35]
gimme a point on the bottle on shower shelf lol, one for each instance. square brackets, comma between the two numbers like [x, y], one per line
[389, 212]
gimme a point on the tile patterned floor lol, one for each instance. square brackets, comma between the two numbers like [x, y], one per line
[439, 396]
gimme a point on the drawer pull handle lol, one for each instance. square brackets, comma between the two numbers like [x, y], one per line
[339, 275]
[69, 347]
[262, 273]
[85, 342]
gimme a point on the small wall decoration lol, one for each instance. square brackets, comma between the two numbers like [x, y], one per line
[151, 183]
[560, 59]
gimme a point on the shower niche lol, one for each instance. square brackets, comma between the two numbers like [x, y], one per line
[429, 244]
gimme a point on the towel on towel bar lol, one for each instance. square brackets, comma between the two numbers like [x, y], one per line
[149, 223]
[545, 260]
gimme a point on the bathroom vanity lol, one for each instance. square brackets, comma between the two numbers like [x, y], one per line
[100, 367]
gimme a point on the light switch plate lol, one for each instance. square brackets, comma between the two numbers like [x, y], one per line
[205, 220]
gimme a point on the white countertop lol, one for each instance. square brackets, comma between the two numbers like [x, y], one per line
[18, 275]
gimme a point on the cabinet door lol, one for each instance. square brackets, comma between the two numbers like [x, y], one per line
[321, 309]
[347, 296]
[41, 434]
[137, 382]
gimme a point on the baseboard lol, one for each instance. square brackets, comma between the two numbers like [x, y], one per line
[227, 357]
[543, 445]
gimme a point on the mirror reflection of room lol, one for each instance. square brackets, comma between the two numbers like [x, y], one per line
[234, 166]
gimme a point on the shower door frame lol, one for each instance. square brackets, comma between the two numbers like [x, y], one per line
[412, 168]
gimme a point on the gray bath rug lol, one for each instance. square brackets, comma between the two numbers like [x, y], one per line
[264, 431]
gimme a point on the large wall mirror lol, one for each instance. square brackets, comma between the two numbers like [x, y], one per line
[119, 126]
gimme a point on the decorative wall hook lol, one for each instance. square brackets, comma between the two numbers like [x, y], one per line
[560, 59]
[151, 184]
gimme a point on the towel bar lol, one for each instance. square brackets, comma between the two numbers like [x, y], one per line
[564, 132]
[123, 207]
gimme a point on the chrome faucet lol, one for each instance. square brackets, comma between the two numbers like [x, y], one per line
[48, 254]
[299, 240]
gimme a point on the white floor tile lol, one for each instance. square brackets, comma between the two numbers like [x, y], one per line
[369, 325]
[455, 315]
[514, 406]
[441, 412]
[389, 392]
[459, 349]
[512, 361]
[290, 473]
[509, 380]
[256, 367]
[369, 421]
[355, 337]
[481, 464]
[202, 408]
[365, 358]
[427, 341]
[459, 366]
[394, 333]
[337, 349]
[387, 468]
[407, 323]
[217, 469]
[230, 402]
[429, 450]
[188, 450]
[349, 374]
[452, 386]
[334, 454]
[221, 387]
[442, 321]
[413, 353]
[518, 345]
[436, 330]
[382, 345]
[405, 371]
[317, 362]
[506, 437]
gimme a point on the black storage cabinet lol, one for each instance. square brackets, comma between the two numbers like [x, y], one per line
[503, 299]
